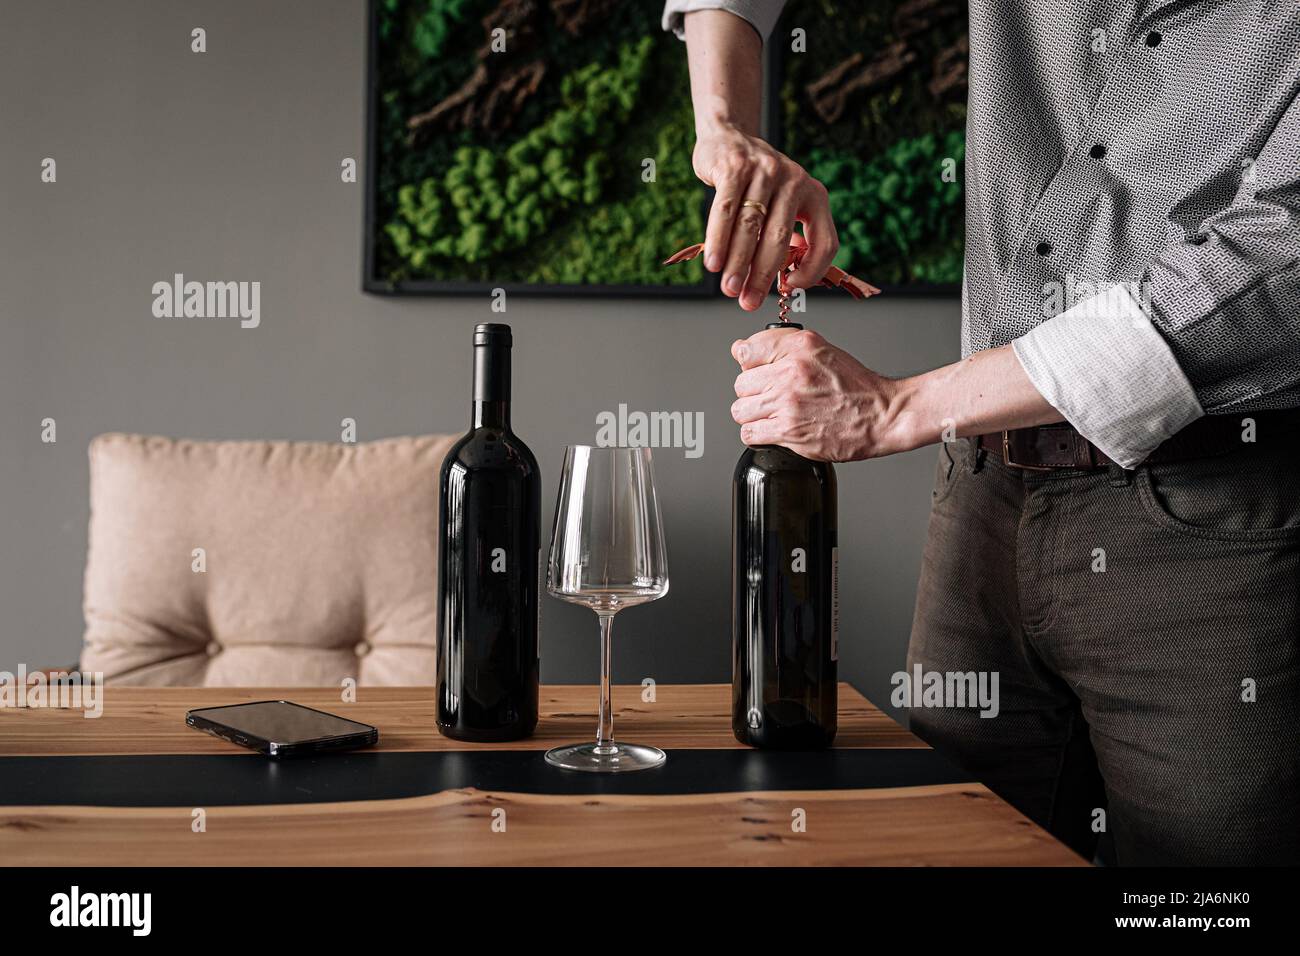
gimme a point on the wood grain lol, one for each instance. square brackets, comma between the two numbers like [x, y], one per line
[151, 720]
[955, 824]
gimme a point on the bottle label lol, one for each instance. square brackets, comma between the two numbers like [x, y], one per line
[835, 604]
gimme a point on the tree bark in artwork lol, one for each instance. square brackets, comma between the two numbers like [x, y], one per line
[831, 93]
[502, 82]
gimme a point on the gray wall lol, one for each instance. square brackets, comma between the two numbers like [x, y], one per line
[226, 166]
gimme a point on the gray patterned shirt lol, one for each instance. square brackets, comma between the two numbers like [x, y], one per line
[1132, 204]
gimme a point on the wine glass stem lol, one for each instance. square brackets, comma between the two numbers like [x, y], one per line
[605, 731]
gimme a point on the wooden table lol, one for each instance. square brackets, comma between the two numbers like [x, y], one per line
[77, 791]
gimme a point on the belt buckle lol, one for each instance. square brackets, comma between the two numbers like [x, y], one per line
[1006, 456]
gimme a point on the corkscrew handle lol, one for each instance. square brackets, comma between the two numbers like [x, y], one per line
[835, 278]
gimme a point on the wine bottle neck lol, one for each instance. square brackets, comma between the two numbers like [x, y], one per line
[491, 386]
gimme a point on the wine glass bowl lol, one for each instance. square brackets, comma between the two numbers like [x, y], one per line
[607, 554]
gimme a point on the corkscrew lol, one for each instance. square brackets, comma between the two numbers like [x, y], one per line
[783, 292]
[835, 278]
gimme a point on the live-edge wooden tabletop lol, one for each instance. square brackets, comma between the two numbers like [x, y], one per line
[721, 822]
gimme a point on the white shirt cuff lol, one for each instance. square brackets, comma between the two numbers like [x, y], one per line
[1106, 369]
[760, 14]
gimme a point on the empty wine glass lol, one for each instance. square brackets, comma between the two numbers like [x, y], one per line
[607, 553]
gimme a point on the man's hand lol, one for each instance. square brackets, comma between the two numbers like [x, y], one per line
[747, 246]
[800, 391]
[797, 390]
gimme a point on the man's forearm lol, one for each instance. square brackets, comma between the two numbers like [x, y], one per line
[986, 392]
[797, 390]
[725, 56]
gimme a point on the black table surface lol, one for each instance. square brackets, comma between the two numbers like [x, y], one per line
[248, 779]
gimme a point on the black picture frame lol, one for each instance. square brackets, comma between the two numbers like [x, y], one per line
[375, 285]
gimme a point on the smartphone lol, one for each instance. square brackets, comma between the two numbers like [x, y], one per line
[281, 728]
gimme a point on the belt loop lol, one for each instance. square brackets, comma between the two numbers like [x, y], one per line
[978, 453]
[1119, 475]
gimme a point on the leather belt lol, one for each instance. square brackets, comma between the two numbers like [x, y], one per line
[1049, 447]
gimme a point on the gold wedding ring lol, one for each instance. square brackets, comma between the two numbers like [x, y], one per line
[762, 210]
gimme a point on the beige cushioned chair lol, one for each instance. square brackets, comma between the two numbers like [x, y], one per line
[318, 561]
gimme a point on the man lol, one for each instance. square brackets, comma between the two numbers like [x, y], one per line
[1116, 519]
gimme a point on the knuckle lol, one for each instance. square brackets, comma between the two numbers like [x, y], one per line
[750, 221]
[778, 234]
[768, 165]
[807, 340]
[727, 207]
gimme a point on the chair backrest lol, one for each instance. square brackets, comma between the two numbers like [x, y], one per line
[262, 563]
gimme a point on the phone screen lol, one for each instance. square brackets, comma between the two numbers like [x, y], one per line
[281, 722]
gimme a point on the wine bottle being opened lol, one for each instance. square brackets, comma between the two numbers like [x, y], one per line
[784, 623]
[488, 539]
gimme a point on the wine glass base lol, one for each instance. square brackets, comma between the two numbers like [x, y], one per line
[614, 758]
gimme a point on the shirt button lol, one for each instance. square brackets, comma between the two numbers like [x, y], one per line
[1097, 152]
[1043, 249]
[362, 649]
[213, 648]
[1154, 38]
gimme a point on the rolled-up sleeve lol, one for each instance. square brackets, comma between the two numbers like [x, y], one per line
[1215, 324]
[1106, 369]
[760, 14]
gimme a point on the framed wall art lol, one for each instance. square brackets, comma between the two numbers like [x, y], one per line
[533, 145]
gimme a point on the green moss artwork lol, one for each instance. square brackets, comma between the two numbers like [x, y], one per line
[871, 99]
[529, 143]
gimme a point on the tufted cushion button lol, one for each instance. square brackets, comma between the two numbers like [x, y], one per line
[362, 649]
[213, 648]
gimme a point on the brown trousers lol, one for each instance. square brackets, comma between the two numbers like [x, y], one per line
[1145, 628]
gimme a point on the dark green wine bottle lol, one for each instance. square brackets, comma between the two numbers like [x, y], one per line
[784, 569]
